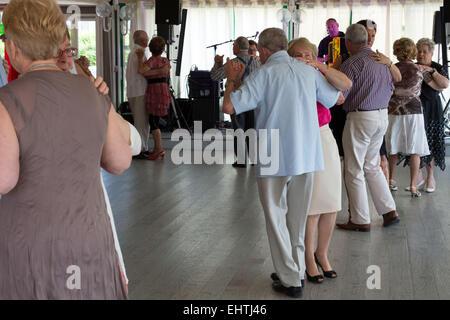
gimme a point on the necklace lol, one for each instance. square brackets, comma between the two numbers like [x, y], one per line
[40, 65]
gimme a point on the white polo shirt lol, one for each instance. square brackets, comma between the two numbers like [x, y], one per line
[136, 83]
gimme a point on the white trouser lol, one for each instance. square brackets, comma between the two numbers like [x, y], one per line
[285, 201]
[140, 117]
[362, 139]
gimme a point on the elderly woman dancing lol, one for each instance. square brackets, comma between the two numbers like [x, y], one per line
[56, 240]
[432, 112]
[326, 195]
[406, 131]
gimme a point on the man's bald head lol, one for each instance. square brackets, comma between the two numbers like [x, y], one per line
[140, 37]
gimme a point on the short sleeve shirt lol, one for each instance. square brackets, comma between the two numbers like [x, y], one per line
[283, 93]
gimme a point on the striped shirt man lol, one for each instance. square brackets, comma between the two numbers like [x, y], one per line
[372, 82]
[218, 71]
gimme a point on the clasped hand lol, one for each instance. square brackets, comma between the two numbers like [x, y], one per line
[218, 60]
[380, 58]
[234, 69]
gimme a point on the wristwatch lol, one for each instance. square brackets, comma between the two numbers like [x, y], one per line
[432, 71]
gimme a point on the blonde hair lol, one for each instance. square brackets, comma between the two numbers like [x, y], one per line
[405, 49]
[37, 27]
[304, 43]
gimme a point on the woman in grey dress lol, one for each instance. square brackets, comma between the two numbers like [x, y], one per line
[55, 132]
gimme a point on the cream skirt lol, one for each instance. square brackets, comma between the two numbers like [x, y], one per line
[326, 195]
[406, 135]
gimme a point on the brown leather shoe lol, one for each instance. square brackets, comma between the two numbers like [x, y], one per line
[354, 227]
[390, 218]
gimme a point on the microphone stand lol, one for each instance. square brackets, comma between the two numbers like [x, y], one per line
[257, 32]
[216, 45]
[219, 44]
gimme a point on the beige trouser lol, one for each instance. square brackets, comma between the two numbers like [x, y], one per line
[140, 117]
[285, 201]
[362, 139]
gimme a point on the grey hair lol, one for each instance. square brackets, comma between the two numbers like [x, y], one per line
[356, 34]
[273, 39]
[242, 43]
[426, 42]
[139, 35]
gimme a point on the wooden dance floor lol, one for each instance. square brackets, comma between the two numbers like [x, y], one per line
[198, 232]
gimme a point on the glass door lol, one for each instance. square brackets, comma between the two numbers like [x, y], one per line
[84, 38]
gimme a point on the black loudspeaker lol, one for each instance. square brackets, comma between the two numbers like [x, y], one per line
[437, 27]
[168, 12]
[205, 110]
[204, 94]
[446, 11]
[186, 107]
[163, 30]
[202, 86]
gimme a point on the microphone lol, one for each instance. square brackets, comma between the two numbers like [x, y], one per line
[257, 32]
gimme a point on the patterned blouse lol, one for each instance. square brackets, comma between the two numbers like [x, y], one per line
[406, 97]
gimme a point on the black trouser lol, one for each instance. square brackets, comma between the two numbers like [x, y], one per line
[154, 122]
[243, 121]
[337, 123]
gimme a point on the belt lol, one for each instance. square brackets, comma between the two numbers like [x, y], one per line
[359, 110]
[158, 80]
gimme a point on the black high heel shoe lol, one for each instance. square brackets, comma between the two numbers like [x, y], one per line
[315, 279]
[329, 274]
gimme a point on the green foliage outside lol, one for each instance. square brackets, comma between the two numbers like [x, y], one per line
[86, 47]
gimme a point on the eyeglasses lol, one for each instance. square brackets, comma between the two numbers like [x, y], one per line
[69, 52]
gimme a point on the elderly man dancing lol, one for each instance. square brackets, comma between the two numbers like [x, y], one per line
[283, 92]
[367, 121]
[244, 120]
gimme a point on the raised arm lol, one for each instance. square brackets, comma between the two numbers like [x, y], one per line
[135, 140]
[124, 126]
[434, 79]
[234, 71]
[147, 71]
[9, 150]
[218, 70]
[336, 78]
[395, 72]
[440, 80]
[116, 155]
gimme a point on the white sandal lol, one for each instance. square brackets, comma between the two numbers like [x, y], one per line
[421, 183]
[393, 185]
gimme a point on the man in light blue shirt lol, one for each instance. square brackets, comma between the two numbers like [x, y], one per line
[283, 93]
